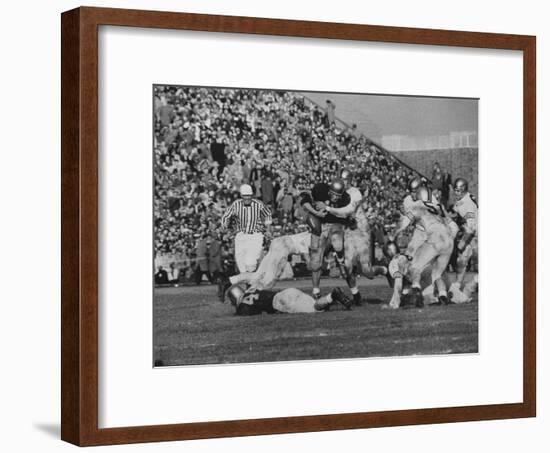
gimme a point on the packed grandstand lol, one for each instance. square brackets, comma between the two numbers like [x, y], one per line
[207, 142]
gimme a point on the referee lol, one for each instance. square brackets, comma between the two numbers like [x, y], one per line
[250, 218]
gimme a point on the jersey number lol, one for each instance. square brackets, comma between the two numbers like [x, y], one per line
[249, 299]
[433, 209]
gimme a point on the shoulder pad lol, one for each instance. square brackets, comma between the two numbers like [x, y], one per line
[355, 194]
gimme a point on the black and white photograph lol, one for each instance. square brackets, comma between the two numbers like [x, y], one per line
[306, 225]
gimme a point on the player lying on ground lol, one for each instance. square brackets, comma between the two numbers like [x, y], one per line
[272, 264]
[437, 248]
[291, 300]
[465, 211]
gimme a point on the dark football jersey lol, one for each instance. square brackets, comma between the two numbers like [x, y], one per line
[320, 192]
[256, 302]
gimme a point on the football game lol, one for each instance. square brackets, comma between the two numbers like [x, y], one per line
[295, 225]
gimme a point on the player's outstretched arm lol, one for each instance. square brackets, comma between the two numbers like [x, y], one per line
[344, 211]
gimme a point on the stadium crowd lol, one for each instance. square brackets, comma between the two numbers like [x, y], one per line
[207, 142]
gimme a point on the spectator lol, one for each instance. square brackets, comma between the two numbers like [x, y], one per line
[161, 277]
[267, 190]
[286, 205]
[173, 274]
[185, 264]
[215, 266]
[331, 116]
[202, 260]
[217, 150]
[437, 180]
[165, 112]
[208, 141]
[446, 188]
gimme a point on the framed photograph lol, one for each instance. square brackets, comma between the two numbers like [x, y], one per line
[274, 226]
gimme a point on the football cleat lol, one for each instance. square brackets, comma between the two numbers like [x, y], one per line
[339, 296]
[357, 300]
[445, 300]
[416, 298]
[406, 301]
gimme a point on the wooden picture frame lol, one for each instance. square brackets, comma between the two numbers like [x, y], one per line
[79, 342]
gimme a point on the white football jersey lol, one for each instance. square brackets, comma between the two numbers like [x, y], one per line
[425, 214]
[398, 266]
[407, 203]
[355, 195]
[466, 208]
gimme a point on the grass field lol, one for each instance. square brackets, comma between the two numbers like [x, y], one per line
[192, 327]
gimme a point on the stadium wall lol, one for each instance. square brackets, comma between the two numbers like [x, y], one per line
[459, 162]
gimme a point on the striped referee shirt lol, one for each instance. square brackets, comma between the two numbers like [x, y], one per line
[247, 219]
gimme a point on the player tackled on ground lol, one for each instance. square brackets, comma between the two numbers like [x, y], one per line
[291, 300]
[273, 263]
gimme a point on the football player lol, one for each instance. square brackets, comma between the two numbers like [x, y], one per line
[290, 300]
[419, 235]
[273, 263]
[437, 247]
[357, 237]
[326, 229]
[398, 270]
[465, 209]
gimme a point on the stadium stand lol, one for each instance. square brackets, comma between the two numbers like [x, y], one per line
[207, 142]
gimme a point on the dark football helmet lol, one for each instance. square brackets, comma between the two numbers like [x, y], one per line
[460, 187]
[336, 189]
[235, 294]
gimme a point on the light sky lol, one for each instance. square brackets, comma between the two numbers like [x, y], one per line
[378, 115]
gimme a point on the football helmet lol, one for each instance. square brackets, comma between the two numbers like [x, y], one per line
[414, 184]
[460, 187]
[336, 189]
[235, 294]
[423, 194]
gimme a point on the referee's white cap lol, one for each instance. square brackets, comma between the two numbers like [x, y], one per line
[246, 190]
